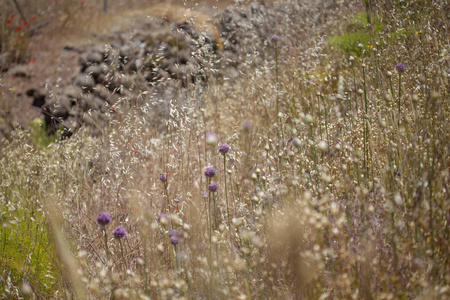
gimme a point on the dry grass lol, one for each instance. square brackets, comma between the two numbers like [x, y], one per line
[326, 200]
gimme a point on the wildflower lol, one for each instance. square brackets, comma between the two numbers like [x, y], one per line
[162, 218]
[400, 68]
[9, 21]
[224, 148]
[211, 138]
[119, 232]
[174, 232]
[204, 194]
[246, 126]
[25, 23]
[163, 177]
[210, 172]
[34, 16]
[174, 240]
[103, 218]
[274, 38]
[212, 187]
[18, 28]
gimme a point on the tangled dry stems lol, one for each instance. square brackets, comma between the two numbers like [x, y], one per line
[326, 200]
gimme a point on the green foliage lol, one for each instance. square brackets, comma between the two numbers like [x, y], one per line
[39, 135]
[357, 33]
[25, 246]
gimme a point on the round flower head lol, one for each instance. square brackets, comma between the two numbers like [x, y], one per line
[174, 232]
[174, 240]
[163, 177]
[119, 232]
[103, 218]
[246, 126]
[224, 148]
[211, 138]
[162, 218]
[274, 38]
[296, 142]
[400, 68]
[212, 187]
[210, 172]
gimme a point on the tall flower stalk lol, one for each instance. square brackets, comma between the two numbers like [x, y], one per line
[163, 178]
[275, 45]
[119, 233]
[104, 219]
[224, 148]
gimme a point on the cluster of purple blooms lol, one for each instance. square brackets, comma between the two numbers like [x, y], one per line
[173, 236]
[224, 148]
[163, 177]
[212, 187]
[400, 68]
[104, 219]
[210, 172]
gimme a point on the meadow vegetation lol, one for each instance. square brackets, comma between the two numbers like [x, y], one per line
[333, 183]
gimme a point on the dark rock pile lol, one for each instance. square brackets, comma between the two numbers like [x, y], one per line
[155, 62]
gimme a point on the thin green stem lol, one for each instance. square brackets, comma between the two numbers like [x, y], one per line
[226, 195]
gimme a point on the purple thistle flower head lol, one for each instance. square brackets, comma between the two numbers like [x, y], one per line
[174, 232]
[246, 126]
[119, 232]
[212, 187]
[162, 218]
[103, 218]
[210, 172]
[274, 38]
[400, 68]
[163, 177]
[174, 240]
[224, 148]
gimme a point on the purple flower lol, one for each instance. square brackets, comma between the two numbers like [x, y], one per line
[246, 126]
[204, 194]
[400, 68]
[210, 172]
[212, 187]
[103, 218]
[174, 240]
[274, 38]
[224, 148]
[119, 232]
[162, 217]
[163, 177]
[174, 232]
